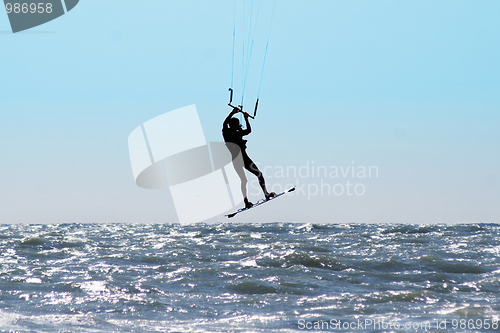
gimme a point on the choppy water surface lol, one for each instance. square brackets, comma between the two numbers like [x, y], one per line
[248, 278]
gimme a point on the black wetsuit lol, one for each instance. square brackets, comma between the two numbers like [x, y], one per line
[236, 137]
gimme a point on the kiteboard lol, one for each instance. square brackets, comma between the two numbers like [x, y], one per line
[260, 202]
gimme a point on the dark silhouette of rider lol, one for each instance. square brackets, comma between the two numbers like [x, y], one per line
[233, 133]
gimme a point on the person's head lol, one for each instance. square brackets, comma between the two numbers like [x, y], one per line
[234, 123]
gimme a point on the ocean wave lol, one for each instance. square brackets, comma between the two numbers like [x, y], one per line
[119, 277]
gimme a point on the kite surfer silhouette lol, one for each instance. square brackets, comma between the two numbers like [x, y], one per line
[233, 133]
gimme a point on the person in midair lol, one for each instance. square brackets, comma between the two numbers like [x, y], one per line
[233, 133]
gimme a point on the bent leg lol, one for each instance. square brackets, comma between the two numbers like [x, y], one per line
[252, 167]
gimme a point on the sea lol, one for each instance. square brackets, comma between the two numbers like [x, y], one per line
[258, 277]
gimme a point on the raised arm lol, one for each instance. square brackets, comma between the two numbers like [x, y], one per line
[248, 128]
[231, 114]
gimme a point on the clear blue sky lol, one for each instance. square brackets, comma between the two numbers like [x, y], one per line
[410, 87]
